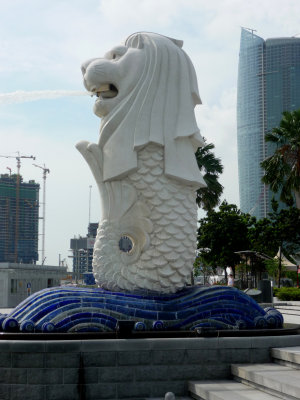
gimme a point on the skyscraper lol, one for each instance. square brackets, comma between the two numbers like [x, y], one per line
[82, 249]
[268, 84]
[19, 218]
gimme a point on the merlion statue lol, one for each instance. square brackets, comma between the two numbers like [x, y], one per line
[144, 164]
[147, 174]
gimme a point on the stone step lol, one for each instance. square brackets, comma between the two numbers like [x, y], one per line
[289, 310]
[280, 380]
[289, 356]
[277, 380]
[226, 390]
[286, 303]
[169, 396]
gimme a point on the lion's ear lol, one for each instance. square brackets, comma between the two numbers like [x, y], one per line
[178, 42]
[138, 41]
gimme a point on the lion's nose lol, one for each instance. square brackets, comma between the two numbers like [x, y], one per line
[85, 65]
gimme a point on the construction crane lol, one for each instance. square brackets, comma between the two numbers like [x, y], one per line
[18, 158]
[45, 172]
[250, 29]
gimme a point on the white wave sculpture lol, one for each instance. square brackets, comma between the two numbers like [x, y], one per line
[144, 164]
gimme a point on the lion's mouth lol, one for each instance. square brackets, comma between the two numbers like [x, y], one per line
[107, 91]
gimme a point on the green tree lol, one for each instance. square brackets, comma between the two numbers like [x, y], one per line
[222, 233]
[282, 169]
[209, 197]
[281, 230]
[273, 266]
[201, 268]
[261, 237]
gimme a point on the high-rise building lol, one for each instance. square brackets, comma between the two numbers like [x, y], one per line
[19, 220]
[268, 84]
[82, 248]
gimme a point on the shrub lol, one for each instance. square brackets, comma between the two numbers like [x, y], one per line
[287, 293]
[292, 275]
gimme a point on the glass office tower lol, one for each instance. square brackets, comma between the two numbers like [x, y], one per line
[268, 84]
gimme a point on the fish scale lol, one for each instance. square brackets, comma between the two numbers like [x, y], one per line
[177, 211]
[166, 264]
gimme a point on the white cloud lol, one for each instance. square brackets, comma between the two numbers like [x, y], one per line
[21, 96]
[269, 18]
[136, 12]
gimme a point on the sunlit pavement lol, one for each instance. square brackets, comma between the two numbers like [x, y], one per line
[5, 310]
[290, 310]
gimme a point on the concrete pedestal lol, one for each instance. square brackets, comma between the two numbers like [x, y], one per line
[123, 368]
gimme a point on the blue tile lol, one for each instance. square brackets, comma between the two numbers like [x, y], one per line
[146, 314]
[223, 305]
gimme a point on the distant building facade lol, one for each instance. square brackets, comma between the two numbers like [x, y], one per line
[19, 219]
[82, 251]
[18, 281]
[268, 84]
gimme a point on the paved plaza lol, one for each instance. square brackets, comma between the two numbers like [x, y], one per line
[290, 311]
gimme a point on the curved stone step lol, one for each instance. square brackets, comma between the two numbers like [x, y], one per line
[226, 390]
[289, 356]
[278, 380]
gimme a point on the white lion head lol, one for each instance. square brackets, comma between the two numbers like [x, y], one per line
[147, 91]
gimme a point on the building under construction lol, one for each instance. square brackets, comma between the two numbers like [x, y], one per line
[82, 248]
[19, 219]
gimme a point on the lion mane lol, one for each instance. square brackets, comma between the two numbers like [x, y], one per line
[159, 109]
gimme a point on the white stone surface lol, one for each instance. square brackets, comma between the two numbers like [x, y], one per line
[276, 378]
[6, 310]
[144, 163]
[290, 354]
[290, 311]
[226, 390]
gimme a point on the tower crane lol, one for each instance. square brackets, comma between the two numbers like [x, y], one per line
[18, 158]
[45, 172]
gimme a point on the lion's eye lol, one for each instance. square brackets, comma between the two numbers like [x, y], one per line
[116, 53]
[116, 56]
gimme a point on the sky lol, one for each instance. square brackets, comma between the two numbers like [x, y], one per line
[44, 110]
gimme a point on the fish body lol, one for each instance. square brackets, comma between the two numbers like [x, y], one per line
[144, 164]
[162, 232]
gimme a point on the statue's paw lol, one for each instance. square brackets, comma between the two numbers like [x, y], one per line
[82, 145]
[93, 156]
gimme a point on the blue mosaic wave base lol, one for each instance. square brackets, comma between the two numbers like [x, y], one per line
[75, 309]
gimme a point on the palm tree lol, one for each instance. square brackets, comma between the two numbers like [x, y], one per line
[209, 197]
[282, 169]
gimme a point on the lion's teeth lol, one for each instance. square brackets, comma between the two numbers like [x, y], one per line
[103, 88]
[106, 91]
